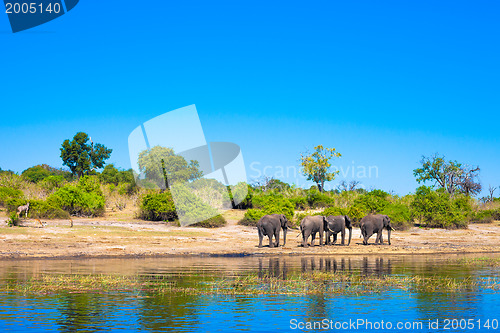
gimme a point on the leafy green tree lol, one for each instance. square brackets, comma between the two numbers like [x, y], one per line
[440, 209]
[36, 174]
[316, 166]
[451, 176]
[176, 167]
[83, 157]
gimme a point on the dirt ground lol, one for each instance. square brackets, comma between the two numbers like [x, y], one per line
[116, 236]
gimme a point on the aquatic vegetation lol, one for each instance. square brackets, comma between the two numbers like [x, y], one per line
[296, 283]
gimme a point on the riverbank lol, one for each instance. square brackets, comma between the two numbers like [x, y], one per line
[110, 237]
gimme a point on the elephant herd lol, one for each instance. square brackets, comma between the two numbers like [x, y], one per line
[325, 226]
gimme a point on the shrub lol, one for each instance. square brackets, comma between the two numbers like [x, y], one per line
[43, 210]
[317, 199]
[299, 202]
[35, 174]
[213, 222]
[242, 193]
[485, 216]
[440, 209]
[13, 220]
[354, 212]
[7, 193]
[111, 175]
[84, 199]
[274, 203]
[52, 182]
[400, 214]
[195, 201]
[251, 217]
[373, 202]
[12, 204]
[157, 207]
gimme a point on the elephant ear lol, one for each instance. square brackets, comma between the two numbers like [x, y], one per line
[284, 221]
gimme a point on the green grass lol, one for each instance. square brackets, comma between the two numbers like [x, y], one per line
[297, 284]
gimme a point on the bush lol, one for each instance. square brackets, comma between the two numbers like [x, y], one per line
[195, 201]
[13, 220]
[36, 174]
[251, 217]
[242, 193]
[84, 199]
[317, 199]
[52, 182]
[112, 175]
[43, 210]
[355, 212]
[7, 193]
[440, 209]
[400, 214]
[213, 222]
[274, 203]
[12, 204]
[299, 202]
[158, 207]
[373, 202]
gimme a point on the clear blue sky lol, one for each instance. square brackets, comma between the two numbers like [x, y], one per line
[384, 82]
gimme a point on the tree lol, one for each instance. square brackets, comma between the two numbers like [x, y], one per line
[36, 173]
[82, 157]
[491, 190]
[451, 175]
[176, 167]
[348, 187]
[316, 166]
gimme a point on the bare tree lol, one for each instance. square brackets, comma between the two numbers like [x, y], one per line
[492, 190]
[348, 187]
[467, 180]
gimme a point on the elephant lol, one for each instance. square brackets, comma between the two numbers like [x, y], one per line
[310, 225]
[270, 225]
[371, 224]
[338, 224]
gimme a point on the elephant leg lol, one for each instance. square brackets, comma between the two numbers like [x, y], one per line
[320, 238]
[366, 236]
[305, 236]
[313, 237]
[261, 236]
[271, 244]
[343, 237]
[328, 238]
[277, 237]
[334, 239]
[381, 239]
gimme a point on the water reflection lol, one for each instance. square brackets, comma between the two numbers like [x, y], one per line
[184, 312]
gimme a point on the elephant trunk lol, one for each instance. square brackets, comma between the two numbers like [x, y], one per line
[389, 235]
[284, 236]
[350, 236]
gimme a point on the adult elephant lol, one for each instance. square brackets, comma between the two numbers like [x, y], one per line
[338, 224]
[375, 224]
[310, 226]
[271, 225]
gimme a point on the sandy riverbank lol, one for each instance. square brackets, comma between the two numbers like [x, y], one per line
[108, 237]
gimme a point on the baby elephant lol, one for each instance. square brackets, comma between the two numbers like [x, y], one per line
[338, 224]
[270, 225]
[375, 224]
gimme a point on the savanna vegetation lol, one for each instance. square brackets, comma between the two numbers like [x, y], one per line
[90, 187]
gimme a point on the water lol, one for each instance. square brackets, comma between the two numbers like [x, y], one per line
[178, 312]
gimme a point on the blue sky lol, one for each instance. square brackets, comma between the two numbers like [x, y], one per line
[384, 82]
